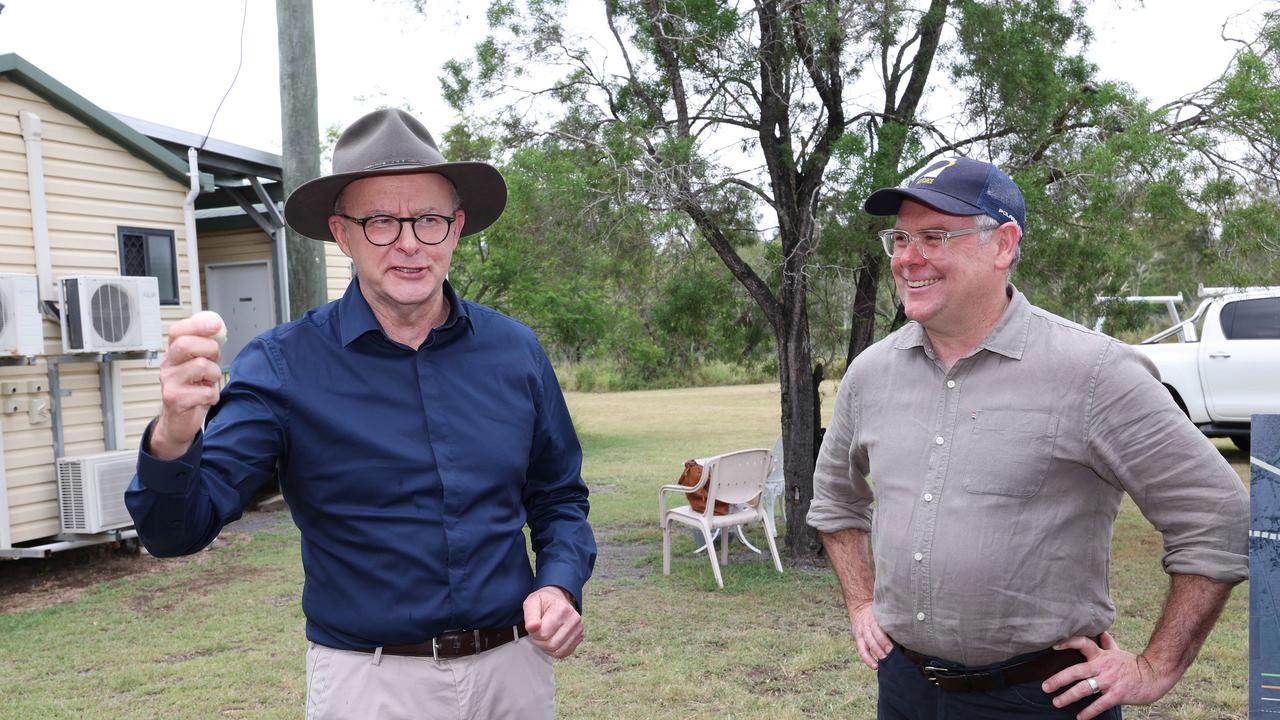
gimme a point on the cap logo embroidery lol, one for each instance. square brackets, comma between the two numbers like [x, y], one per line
[932, 172]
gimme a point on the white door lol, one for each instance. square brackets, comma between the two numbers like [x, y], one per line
[241, 293]
[1240, 366]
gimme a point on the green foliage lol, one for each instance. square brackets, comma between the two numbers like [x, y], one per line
[605, 284]
[1123, 197]
[455, 84]
[1012, 63]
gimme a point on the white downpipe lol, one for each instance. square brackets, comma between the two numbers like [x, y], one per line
[282, 274]
[32, 134]
[189, 217]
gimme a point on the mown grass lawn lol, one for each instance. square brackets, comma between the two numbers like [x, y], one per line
[220, 634]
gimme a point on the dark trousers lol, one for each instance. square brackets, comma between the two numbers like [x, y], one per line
[905, 694]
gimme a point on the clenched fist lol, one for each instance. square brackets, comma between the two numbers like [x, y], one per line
[552, 621]
[189, 378]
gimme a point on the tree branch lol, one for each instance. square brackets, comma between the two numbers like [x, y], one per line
[631, 70]
[671, 61]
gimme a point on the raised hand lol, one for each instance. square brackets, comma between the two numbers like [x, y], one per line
[189, 378]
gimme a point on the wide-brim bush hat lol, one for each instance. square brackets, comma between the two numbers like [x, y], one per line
[392, 142]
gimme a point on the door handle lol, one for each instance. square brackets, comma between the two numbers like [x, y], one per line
[1219, 355]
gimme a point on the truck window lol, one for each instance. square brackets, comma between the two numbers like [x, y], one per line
[1252, 319]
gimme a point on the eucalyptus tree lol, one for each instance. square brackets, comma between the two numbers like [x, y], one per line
[768, 121]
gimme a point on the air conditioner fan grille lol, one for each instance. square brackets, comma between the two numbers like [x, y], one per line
[110, 310]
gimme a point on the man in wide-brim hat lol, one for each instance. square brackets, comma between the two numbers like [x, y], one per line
[415, 435]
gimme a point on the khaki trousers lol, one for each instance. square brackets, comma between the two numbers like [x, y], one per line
[513, 682]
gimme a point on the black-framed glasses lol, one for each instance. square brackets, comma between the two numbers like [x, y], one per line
[927, 241]
[382, 230]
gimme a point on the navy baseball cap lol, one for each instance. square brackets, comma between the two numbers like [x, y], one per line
[956, 186]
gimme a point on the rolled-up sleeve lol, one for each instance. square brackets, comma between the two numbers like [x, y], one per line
[841, 496]
[1144, 443]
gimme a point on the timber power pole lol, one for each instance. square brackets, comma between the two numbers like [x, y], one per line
[300, 125]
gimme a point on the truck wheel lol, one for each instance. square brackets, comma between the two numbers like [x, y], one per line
[1242, 442]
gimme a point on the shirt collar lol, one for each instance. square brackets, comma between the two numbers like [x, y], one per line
[1008, 337]
[356, 317]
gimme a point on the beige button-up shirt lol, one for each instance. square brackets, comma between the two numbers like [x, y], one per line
[996, 483]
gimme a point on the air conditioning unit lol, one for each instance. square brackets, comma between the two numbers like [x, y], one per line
[91, 491]
[21, 327]
[111, 313]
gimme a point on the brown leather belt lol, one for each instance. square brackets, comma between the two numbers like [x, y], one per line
[1035, 669]
[455, 643]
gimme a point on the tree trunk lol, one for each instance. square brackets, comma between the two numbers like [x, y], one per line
[863, 320]
[891, 145]
[798, 431]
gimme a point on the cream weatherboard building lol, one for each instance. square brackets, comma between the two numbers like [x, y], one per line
[110, 202]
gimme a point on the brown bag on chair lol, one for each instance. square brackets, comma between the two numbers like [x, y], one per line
[698, 498]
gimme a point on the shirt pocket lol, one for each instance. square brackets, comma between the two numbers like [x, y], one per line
[1007, 452]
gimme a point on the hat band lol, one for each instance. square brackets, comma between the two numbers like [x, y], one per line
[398, 163]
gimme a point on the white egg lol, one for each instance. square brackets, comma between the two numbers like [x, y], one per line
[221, 335]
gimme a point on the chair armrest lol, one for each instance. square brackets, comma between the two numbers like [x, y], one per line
[707, 468]
[662, 499]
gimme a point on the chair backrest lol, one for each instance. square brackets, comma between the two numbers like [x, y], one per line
[775, 472]
[738, 477]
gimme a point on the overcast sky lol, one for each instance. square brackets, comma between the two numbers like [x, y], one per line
[171, 61]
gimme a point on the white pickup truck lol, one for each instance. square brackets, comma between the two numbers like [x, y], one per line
[1225, 365]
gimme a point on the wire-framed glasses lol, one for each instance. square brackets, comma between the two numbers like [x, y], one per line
[928, 242]
[381, 230]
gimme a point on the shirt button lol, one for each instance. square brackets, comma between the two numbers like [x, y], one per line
[920, 617]
[951, 383]
[928, 497]
[918, 556]
[938, 440]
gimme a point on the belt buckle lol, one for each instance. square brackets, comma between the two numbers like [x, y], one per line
[456, 635]
[934, 673]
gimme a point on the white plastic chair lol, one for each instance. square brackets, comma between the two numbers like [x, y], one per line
[774, 485]
[736, 478]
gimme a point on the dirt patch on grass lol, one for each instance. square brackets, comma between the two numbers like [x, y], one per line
[283, 600]
[616, 556]
[158, 600]
[34, 584]
[64, 577]
[603, 662]
[185, 657]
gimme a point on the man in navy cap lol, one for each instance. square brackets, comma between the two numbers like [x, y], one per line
[415, 434]
[1000, 439]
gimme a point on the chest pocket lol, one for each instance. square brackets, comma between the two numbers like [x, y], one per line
[1007, 452]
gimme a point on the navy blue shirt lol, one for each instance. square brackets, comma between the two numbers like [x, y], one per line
[410, 473]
